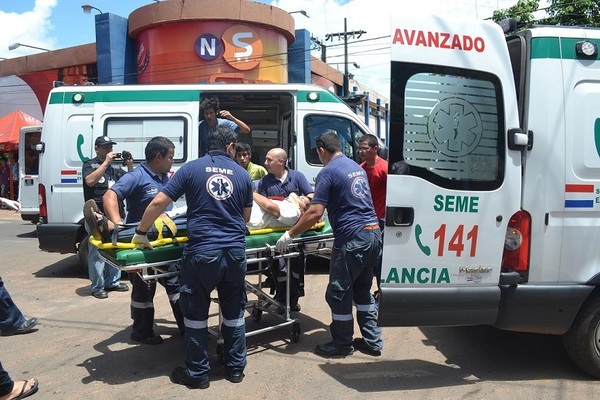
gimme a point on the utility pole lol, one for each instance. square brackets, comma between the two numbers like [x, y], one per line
[344, 35]
[319, 45]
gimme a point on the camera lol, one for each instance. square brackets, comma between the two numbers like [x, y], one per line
[125, 156]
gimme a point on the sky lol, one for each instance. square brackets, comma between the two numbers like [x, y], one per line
[56, 24]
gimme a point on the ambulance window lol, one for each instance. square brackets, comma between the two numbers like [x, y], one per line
[347, 131]
[132, 134]
[32, 157]
[447, 125]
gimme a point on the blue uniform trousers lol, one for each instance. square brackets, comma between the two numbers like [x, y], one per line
[11, 318]
[225, 270]
[350, 280]
[6, 384]
[142, 302]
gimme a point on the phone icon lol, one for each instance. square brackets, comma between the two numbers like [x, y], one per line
[80, 140]
[425, 249]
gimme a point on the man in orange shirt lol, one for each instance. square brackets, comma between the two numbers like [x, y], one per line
[377, 172]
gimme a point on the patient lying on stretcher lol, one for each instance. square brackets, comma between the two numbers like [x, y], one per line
[266, 213]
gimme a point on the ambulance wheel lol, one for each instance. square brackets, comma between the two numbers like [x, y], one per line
[582, 341]
[82, 254]
[256, 314]
[221, 353]
[296, 332]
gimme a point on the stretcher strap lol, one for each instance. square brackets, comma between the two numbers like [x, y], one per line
[160, 222]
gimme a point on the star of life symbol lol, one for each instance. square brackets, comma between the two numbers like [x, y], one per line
[360, 187]
[219, 186]
[455, 127]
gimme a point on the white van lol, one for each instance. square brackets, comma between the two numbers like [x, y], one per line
[29, 137]
[290, 116]
[498, 219]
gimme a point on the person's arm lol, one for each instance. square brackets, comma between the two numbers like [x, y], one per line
[153, 211]
[267, 205]
[110, 200]
[308, 219]
[244, 129]
[95, 176]
[247, 212]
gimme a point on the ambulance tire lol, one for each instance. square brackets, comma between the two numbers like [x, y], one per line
[82, 253]
[582, 341]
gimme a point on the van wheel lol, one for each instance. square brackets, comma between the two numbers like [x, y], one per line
[582, 341]
[82, 253]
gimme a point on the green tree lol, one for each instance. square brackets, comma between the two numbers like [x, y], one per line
[574, 12]
[522, 12]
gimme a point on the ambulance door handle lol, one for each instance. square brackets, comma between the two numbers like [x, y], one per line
[399, 216]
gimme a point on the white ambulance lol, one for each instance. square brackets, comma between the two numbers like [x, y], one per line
[498, 219]
[290, 116]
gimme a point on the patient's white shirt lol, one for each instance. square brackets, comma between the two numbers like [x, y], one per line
[288, 216]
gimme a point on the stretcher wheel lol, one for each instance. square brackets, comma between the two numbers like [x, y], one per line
[220, 353]
[256, 314]
[296, 332]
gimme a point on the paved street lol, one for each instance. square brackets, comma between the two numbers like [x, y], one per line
[82, 347]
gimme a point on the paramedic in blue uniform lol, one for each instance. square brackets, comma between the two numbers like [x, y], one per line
[99, 174]
[214, 117]
[138, 188]
[279, 183]
[343, 189]
[218, 194]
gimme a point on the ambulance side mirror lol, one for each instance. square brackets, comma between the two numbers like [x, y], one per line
[517, 140]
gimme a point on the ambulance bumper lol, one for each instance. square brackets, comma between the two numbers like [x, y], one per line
[59, 238]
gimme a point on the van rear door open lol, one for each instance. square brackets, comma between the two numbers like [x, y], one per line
[29, 167]
[452, 105]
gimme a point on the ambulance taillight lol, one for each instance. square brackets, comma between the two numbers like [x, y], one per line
[42, 200]
[516, 243]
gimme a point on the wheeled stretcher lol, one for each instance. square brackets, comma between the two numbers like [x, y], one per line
[261, 255]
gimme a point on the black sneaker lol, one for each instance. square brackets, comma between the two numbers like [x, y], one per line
[333, 350]
[27, 327]
[180, 376]
[119, 287]
[154, 339]
[235, 376]
[100, 294]
[362, 346]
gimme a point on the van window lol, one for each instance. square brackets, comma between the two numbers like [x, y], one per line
[448, 126]
[132, 134]
[32, 157]
[348, 132]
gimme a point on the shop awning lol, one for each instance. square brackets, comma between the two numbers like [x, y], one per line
[10, 125]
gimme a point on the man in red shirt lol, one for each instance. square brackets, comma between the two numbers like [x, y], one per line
[377, 172]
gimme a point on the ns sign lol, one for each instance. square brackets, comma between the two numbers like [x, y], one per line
[239, 46]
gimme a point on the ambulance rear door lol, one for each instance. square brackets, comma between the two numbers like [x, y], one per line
[457, 183]
[29, 167]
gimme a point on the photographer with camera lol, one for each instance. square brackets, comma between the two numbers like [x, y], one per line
[99, 174]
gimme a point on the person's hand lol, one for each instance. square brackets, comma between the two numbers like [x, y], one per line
[284, 241]
[141, 241]
[225, 114]
[15, 205]
[110, 157]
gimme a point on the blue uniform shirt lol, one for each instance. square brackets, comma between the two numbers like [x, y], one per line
[343, 188]
[203, 129]
[138, 188]
[216, 190]
[295, 182]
